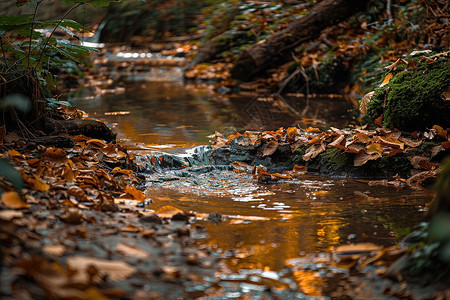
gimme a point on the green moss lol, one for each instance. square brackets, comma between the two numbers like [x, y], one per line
[398, 164]
[412, 100]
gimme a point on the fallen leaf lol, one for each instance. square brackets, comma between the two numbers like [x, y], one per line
[393, 66]
[55, 154]
[313, 151]
[362, 157]
[337, 143]
[115, 270]
[12, 153]
[118, 170]
[379, 121]
[13, 200]
[356, 249]
[390, 141]
[72, 216]
[96, 143]
[440, 131]
[446, 94]
[8, 215]
[168, 211]
[270, 148]
[409, 142]
[131, 228]
[55, 250]
[445, 145]
[374, 148]
[364, 101]
[131, 250]
[242, 166]
[135, 193]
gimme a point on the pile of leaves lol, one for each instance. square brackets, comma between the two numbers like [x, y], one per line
[344, 147]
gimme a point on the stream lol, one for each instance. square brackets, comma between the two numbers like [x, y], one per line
[270, 236]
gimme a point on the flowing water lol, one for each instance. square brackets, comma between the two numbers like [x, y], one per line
[258, 229]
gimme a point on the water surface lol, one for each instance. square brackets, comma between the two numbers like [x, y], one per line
[262, 226]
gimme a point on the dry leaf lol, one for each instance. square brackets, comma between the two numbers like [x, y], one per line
[313, 151]
[242, 166]
[393, 67]
[72, 216]
[386, 79]
[13, 200]
[357, 249]
[270, 148]
[131, 250]
[96, 143]
[55, 250]
[135, 193]
[115, 270]
[8, 215]
[78, 193]
[362, 157]
[131, 228]
[168, 211]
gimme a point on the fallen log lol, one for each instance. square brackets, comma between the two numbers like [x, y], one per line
[276, 49]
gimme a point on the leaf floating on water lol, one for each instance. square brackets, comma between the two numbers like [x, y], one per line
[115, 270]
[13, 200]
[356, 249]
[168, 211]
[270, 148]
[242, 166]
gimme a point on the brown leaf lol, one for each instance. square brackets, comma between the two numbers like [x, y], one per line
[135, 193]
[131, 228]
[313, 151]
[364, 101]
[37, 183]
[13, 200]
[445, 145]
[242, 166]
[54, 250]
[446, 94]
[412, 64]
[115, 270]
[393, 66]
[390, 141]
[374, 148]
[118, 170]
[362, 157]
[56, 154]
[72, 216]
[409, 142]
[270, 148]
[299, 170]
[78, 193]
[15, 154]
[8, 215]
[338, 143]
[96, 143]
[362, 137]
[379, 121]
[291, 134]
[168, 211]
[131, 250]
[440, 131]
[356, 249]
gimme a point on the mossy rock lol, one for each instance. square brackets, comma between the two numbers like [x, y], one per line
[413, 99]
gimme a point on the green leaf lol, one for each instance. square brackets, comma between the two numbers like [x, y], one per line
[10, 174]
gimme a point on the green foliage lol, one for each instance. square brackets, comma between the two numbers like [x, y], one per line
[31, 43]
[412, 100]
[10, 174]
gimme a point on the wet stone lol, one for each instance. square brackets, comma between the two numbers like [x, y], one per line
[153, 218]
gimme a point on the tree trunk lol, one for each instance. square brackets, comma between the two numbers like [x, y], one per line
[276, 49]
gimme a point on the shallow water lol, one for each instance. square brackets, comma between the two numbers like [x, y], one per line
[262, 226]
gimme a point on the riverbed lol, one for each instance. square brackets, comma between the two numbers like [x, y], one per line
[262, 231]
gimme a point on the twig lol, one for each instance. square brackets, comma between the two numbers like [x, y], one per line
[388, 9]
[3, 52]
[31, 31]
